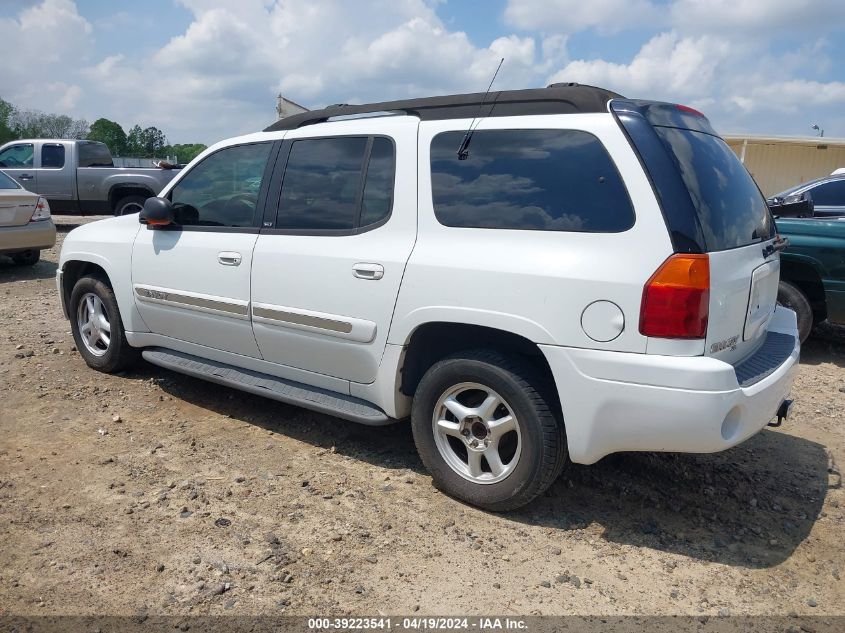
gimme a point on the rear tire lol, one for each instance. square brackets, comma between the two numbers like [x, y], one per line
[792, 297]
[97, 327]
[129, 204]
[27, 258]
[526, 459]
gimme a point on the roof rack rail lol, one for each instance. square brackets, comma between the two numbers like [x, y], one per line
[556, 99]
[366, 115]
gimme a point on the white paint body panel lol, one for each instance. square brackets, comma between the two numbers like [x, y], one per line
[647, 402]
[314, 274]
[533, 283]
[186, 263]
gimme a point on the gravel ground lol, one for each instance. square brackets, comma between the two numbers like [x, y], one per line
[151, 492]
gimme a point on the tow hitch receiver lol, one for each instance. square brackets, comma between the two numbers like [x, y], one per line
[783, 412]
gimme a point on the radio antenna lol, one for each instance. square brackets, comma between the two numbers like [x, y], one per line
[463, 150]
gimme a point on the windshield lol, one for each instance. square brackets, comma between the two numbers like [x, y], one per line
[730, 208]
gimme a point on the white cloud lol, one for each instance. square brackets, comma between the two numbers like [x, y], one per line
[220, 75]
[223, 72]
[666, 67]
[45, 38]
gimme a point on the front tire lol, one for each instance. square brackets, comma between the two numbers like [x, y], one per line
[129, 204]
[791, 296]
[484, 427]
[27, 258]
[97, 327]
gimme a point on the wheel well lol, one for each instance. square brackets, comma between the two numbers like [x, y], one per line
[806, 279]
[120, 192]
[433, 341]
[74, 270]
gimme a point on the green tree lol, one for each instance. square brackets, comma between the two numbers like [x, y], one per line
[6, 133]
[111, 134]
[37, 124]
[153, 142]
[133, 142]
[184, 152]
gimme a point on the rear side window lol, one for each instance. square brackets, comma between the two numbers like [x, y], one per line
[52, 156]
[343, 183]
[543, 180]
[829, 193]
[94, 155]
[730, 208]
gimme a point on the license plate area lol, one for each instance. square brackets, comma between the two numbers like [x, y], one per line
[762, 299]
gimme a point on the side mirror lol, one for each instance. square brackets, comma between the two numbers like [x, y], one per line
[800, 206]
[157, 212]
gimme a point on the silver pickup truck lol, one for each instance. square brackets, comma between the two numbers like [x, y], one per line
[79, 177]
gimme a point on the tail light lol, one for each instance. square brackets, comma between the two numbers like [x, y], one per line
[42, 211]
[676, 299]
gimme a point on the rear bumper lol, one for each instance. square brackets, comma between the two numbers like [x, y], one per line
[33, 236]
[615, 401]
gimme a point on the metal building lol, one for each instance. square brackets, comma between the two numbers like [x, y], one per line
[778, 162]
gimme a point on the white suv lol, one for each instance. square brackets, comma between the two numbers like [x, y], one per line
[575, 274]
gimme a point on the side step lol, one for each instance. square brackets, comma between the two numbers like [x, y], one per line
[287, 391]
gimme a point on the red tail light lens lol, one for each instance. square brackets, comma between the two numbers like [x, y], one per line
[676, 300]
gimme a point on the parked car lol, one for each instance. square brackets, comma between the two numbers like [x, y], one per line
[79, 177]
[581, 274]
[828, 194]
[25, 224]
[812, 276]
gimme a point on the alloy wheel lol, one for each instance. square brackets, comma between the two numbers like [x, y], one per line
[94, 326]
[476, 433]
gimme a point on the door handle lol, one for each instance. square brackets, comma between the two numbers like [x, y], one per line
[368, 271]
[229, 258]
[25, 177]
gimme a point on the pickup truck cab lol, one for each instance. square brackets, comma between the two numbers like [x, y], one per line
[533, 277]
[79, 177]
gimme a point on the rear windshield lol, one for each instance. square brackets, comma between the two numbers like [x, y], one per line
[731, 210]
[7, 183]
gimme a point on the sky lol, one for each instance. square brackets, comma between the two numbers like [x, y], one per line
[205, 70]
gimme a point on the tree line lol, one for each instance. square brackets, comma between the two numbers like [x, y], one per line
[149, 142]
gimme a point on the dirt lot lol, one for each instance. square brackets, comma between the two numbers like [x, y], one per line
[153, 492]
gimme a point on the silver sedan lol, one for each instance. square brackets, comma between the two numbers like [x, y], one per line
[25, 224]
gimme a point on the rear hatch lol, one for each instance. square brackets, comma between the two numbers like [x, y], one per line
[712, 205]
[16, 207]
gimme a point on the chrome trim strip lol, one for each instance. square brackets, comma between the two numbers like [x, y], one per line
[322, 323]
[176, 299]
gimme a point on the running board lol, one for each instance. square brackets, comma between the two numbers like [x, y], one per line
[287, 391]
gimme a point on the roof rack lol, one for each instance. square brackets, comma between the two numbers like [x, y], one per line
[555, 99]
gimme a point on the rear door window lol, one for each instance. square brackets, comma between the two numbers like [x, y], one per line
[337, 184]
[730, 208]
[52, 156]
[541, 180]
